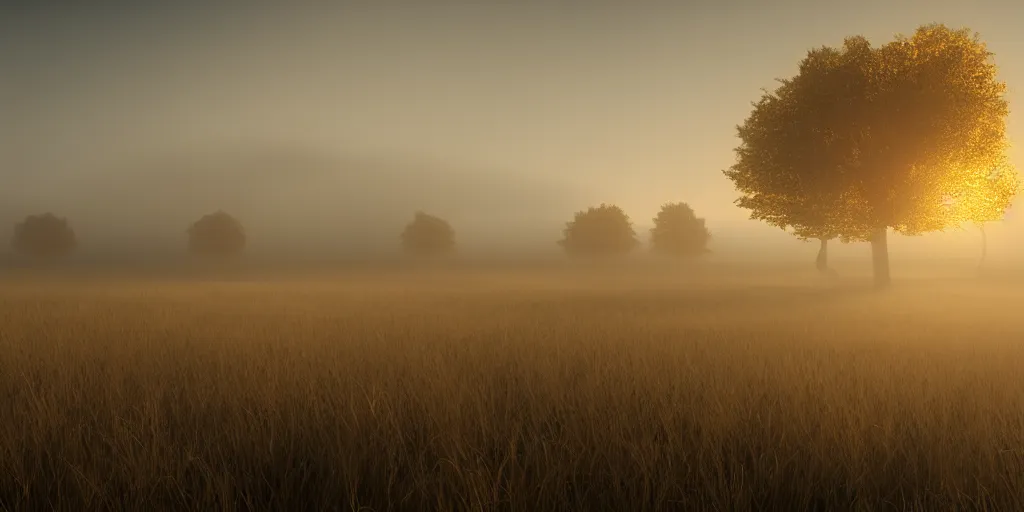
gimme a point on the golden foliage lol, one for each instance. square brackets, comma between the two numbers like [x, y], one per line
[865, 138]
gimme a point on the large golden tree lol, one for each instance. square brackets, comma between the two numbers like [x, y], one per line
[864, 140]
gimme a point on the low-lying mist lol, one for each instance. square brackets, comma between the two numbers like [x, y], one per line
[291, 200]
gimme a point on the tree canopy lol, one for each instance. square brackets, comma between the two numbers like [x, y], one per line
[863, 140]
[216, 234]
[986, 201]
[788, 165]
[678, 232]
[44, 236]
[604, 230]
[428, 235]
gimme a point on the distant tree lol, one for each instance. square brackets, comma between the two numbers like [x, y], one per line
[678, 232]
[864, 140]
[216, 234]
[985, 204]
[44, 236]
[599, 231]
[428, 235]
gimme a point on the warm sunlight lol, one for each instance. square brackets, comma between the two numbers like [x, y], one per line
[511, 256]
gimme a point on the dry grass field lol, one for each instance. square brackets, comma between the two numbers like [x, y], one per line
[510, 391]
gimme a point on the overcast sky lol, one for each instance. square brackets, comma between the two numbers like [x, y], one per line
[634, 103]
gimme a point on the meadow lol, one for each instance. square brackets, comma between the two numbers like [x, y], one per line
[511, 390]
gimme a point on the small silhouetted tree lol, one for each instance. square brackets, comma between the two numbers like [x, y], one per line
[216, 234]
[428, 235]
[44, 236]
[678, 232]
[604, 230]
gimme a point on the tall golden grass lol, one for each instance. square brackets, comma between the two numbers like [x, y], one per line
[509, 394]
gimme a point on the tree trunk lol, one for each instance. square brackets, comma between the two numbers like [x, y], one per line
[822, 261]
[880, 257]
[984, 245]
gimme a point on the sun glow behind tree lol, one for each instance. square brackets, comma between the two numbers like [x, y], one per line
[864, 140]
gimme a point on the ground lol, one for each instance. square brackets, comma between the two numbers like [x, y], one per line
[510, 390]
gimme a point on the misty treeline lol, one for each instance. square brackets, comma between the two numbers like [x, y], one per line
[605, 230]
[908, 136]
